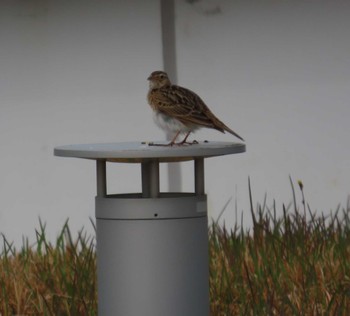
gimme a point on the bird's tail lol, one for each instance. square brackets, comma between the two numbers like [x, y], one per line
[233, 133]
[219, 125]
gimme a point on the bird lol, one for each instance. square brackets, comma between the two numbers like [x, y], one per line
[179, 110]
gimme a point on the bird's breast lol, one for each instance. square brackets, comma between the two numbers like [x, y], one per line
[170, 124]
[151, 99]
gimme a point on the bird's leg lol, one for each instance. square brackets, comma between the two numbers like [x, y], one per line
[169, 144]
[173, 140]
[172, 143]
[184, 141]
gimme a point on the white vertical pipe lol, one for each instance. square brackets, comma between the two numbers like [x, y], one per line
[169, 64]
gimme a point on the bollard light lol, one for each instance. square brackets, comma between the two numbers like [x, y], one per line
[152, 246]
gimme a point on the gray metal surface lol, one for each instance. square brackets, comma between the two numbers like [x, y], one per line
[166, 206]
[152, 267]
[140, 152]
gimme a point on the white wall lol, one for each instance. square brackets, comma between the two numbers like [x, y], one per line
[277, 72]
[71, 72]
[75, 72]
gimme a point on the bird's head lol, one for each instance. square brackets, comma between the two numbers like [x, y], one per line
[158, 79]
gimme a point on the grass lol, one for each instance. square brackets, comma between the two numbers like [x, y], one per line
[296, 264]
[49, 279]
[284, 266]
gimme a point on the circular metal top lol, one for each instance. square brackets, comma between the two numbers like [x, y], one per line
[142, 151]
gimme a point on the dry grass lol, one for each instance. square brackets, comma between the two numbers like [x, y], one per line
[49, 279]
[285, 266]
[298, 264]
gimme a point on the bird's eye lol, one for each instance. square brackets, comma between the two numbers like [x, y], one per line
[162, 76]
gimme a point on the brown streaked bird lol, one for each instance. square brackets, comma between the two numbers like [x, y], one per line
[180, 110]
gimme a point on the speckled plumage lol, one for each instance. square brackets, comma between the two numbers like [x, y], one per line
[180, 110]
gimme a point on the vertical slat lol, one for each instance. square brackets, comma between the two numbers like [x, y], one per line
[101, 178]
[199, 176]
[154, 179]
[145, 179]
[150, 179]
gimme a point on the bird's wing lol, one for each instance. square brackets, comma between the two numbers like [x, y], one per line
[184, 105]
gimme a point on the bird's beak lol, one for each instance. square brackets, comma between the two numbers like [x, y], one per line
[149, 78]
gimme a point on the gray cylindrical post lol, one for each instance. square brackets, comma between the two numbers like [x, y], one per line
[152, 248]
[152, 255]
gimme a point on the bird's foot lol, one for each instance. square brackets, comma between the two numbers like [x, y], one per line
[171, 144]
[187, 143]
[162, 145]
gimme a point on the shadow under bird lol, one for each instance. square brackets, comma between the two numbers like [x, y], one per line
[180, 110]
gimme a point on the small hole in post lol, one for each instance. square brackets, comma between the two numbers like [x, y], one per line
[155, 214]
